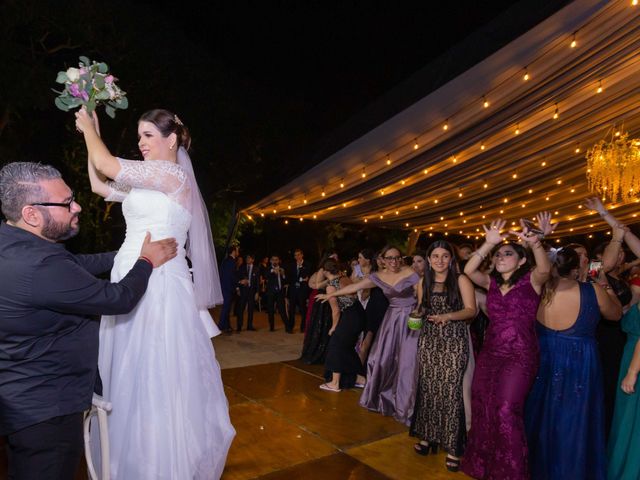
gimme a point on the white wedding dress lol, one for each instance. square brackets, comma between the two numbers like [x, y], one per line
[170, 416]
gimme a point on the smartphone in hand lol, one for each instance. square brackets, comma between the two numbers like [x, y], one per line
[531, 227]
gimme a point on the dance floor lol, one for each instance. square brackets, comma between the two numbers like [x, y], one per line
[287, 428]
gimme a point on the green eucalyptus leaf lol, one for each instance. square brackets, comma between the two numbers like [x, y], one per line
[102, 67]
[102, 95]
[74, 102]
[122, 103]
[85, 60]
[98, 81]
[110, 111]
[61, 105]
[62, 77]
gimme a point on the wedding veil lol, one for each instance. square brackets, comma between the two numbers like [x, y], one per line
[200, 249]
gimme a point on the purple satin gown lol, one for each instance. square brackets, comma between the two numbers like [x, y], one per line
[505, 371]
[392, 367]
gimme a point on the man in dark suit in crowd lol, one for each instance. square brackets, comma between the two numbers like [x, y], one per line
[49, 300]
[276, 280]
[249, 281]
[298, 290]
[228, 282]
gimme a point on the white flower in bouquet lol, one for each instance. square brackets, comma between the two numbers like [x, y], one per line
[90, 85]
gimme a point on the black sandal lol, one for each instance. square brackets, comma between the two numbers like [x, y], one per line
[452, 464]
[421, 449]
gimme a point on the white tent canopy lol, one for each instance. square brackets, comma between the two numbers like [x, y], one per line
[449, 164]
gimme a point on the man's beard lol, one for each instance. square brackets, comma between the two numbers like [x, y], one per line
[58, 231]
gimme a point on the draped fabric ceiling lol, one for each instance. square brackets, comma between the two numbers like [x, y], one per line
[507, 138]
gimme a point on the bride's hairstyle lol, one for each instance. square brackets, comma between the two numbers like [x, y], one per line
[168, 123]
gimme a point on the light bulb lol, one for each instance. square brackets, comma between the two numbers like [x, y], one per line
[526, 75]
[485, 102]
[425, 171]
[599, 90]
[415, 145]
[556, 114]
[574, 44]
[445, 127]
[486, 185]
[517, 132]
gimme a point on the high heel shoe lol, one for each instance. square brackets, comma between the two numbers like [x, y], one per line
[421, 449]
[452, 464]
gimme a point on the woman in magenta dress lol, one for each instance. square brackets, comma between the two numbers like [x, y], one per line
[508, 362]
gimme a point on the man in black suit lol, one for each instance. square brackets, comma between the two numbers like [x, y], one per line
[298, 290]
[276, 280]
[249, 281]
[49, 299]
[228, 282]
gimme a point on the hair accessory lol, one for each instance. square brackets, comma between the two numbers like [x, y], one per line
[553, 253]
[177, 120]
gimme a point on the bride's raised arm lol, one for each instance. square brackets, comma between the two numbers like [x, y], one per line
[99, 154]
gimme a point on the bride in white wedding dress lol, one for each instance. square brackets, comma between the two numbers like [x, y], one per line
[170, 417]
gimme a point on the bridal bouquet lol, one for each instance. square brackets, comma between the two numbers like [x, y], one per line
[90, 85]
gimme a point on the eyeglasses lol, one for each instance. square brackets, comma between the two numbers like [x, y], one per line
[391, 259]
[67, 205]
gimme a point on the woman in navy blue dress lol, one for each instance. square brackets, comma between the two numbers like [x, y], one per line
[564, 414]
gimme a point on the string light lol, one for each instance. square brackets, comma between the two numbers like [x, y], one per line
[526, 74]
[514, 176]
[486, 185]
[301, 219]
[275, 211]
[556, 114]
[485, 102]
[364, 173]
[577, 147]
[599, 90]
[455, 159]
[425, 171]
[304, 201]
[517, 132]
[482, 146]
[323, 194]
[415, 207]
[530, 190]
[574, 43]
[315, 216]
[289, 206]
[415, 144]
[366, 220]
[445, 127]
[262, 214]
[388, 160]
[543, 164]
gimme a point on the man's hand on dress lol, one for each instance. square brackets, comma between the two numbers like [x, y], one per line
[159, 251]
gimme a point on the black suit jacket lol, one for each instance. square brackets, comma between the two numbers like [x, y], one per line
[293, 276]
[243, 274]
[48, 330]
[272, 281]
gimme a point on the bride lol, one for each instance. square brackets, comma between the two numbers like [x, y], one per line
[170, 417]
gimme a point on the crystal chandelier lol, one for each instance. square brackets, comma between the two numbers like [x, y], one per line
[613, 167]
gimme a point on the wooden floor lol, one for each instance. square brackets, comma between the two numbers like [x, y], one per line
[287, 428]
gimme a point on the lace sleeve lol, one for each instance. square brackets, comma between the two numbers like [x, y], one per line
[163, 176]
[117, 191]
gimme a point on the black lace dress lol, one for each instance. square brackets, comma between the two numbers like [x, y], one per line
[443, 354]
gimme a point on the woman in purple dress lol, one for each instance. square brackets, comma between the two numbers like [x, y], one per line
[392, 366]
[508, 362]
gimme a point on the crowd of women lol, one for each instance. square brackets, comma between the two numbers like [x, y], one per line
[517, 359]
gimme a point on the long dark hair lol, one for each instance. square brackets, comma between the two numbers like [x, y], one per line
[451, 287]
[566, 260]
[370, 255]
[522, 269]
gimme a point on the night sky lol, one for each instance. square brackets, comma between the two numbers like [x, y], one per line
[261, 85]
